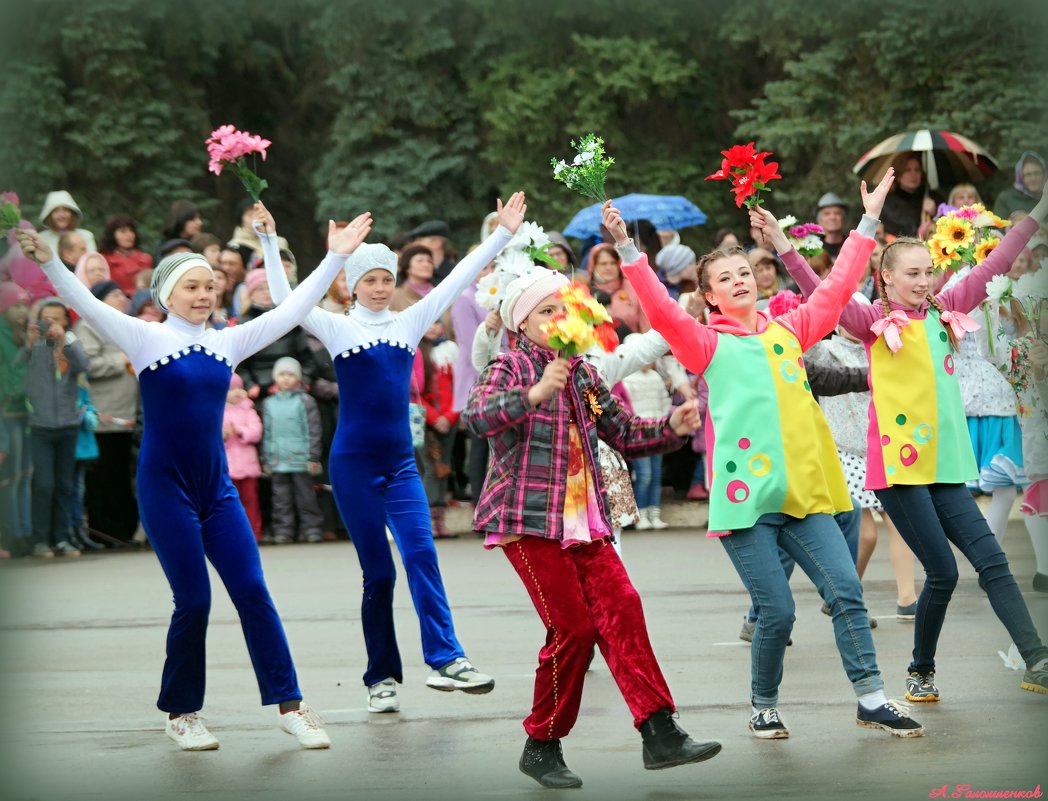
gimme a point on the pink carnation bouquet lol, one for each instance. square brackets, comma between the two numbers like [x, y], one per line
[228, 147]
[782, 302]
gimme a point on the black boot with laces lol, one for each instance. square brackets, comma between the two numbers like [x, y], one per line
[543, 760]
[667, 745]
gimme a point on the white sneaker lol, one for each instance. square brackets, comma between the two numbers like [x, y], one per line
[307, 726]
[190, 733]
[643, 523]
[655, 518]
[461, 675]
[382, 697]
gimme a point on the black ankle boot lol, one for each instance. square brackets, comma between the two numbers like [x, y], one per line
[543, 760]
[667, 745]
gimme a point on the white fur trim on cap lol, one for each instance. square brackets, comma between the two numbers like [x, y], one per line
[526, 292]
[367, 258]
[167, 273]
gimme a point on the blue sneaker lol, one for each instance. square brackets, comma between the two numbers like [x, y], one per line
[891, 717]
[907, 613]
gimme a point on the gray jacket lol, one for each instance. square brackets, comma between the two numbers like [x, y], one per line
[53, 397]
[114, 389]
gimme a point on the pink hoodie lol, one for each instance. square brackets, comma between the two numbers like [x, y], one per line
[242, 446]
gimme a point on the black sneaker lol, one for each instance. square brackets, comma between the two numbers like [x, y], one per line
[891, 717]
[766, 725]
[1035, 679]
[920, 687]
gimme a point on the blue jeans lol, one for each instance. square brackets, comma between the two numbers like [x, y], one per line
[929, 518]
[848, 523]
[647, 481]
[814, 543]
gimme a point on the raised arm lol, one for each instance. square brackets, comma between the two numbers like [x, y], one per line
[691, 342]
[836, 305]
[126, 332]
[630, 356]
[971, 290]
[428, 310]
[248, 338]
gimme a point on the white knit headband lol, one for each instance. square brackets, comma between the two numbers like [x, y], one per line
[167, 273]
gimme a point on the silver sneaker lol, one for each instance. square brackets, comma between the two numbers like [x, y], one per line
[382, 697]
[461, 675]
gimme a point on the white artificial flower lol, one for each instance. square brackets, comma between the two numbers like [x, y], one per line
[982, 221]
[514, 262]
[999, 288]
[787, 222]
[529, 235]
[490, 292]
[577, 160]
[561, 166]
[1032, 285]
[586, 156]
[810, 243]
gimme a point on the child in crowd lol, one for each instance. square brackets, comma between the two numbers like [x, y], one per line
[61, 215]
[242, 431]
[16, 466]
[291, 452]
[86, 452]
[55, 360]
[649, 397]
[544, 504]
[438, 354]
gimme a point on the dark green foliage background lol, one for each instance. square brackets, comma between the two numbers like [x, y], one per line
[431, 109]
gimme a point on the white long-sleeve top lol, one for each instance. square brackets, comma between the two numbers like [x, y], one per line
[150, 344]
[341, 333]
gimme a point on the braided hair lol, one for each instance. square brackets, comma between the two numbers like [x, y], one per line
[888, 259]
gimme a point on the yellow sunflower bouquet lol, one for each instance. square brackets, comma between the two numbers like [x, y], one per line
[964, 236]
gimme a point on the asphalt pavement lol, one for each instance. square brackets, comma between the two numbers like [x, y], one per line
[83, 645]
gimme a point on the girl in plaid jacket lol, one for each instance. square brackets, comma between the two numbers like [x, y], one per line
[544, 504]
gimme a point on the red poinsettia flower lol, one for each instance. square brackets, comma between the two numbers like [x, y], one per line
[740, 155]
[722, 173]
[606, 337]
[761, 173]
[743, 189]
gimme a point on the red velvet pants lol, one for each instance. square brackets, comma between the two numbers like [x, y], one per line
[585, 597]
[248, 490]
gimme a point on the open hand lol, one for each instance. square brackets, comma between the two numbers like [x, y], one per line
[612, 220]
[872, 202]
[261, 220]
[512, 214]
[345, 240]
[33, 246]
[685, 418]
[765, 222]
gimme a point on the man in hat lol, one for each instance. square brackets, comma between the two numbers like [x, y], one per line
[434, 234]
[832, 214]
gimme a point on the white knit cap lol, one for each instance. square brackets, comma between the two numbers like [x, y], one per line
[287, 364]
[367, 258]
[526, 292]
[167, 273]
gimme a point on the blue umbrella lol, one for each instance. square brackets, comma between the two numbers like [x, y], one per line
[666, 213]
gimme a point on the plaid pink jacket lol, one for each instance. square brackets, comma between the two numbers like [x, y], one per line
[525, 486]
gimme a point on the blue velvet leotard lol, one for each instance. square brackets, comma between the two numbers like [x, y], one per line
[372, 466]
[189, 507]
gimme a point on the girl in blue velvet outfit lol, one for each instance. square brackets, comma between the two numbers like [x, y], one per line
[189, 506]
[373, 472]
